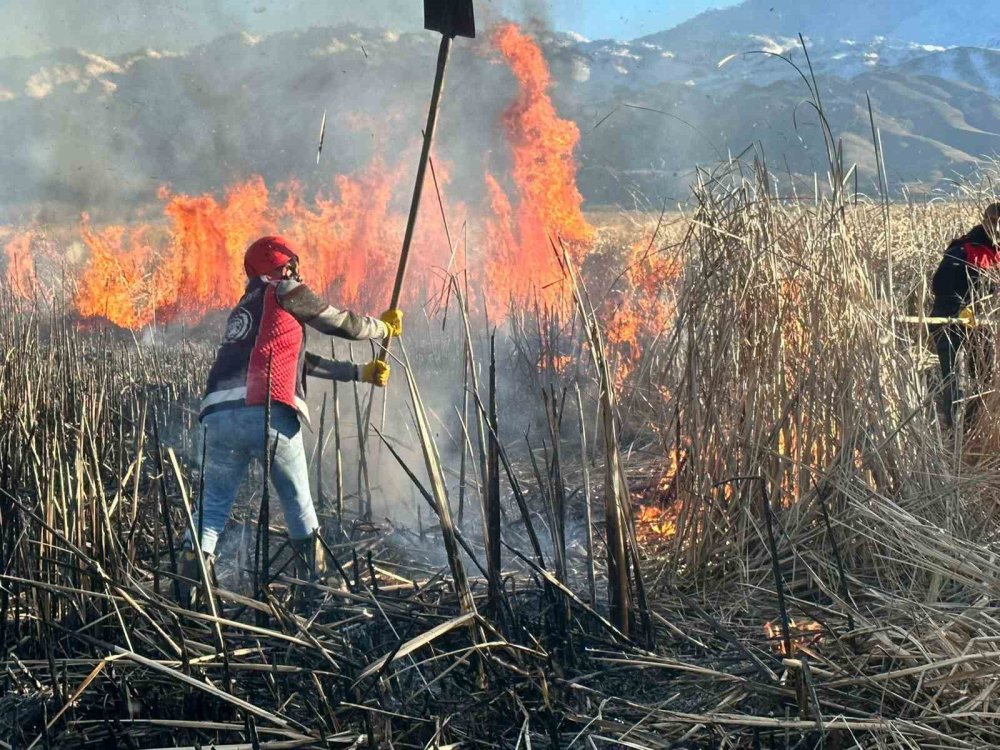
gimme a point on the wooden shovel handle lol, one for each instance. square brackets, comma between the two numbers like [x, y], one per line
[425, 155]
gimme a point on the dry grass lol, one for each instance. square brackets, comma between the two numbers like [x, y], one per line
[782, 418]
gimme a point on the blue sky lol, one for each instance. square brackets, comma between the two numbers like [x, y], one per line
[115, 26]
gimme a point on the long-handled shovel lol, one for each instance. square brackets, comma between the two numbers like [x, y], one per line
[451, 18]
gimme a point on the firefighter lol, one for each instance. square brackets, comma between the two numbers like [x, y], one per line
[263, 355]
[960, 289]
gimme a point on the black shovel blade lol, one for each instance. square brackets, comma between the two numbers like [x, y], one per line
[450, 17]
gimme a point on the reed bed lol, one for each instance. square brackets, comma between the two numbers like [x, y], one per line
[749, 531]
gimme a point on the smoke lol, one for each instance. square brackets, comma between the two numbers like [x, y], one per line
[197, 96]
[113, 27]
[103, 135]
[437, 358]
[397, 506]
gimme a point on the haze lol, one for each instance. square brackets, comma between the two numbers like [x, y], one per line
[115, 26]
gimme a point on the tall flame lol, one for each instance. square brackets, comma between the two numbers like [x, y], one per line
[637, 303]
[352, 240]
[118, 283]
[191, 262]
[204, 265]
[348, 245]
[549, 209]
[542, 145]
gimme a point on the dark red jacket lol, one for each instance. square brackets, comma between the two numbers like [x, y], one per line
[268, 328]
[959, 280]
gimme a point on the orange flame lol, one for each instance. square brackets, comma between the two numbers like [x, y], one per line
[191, 262]
[195, 264]
[351, 242]
[549, 207]
[656, 522]
[204, 267]
[658, 506]
[636, 305]
[118, 283]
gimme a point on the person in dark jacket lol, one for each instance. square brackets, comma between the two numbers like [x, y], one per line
[961, 285]
[263, 359]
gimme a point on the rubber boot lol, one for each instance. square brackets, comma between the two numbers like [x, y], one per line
[310, 558]
[189, 573]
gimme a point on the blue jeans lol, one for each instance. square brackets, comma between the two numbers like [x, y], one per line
[232, 438]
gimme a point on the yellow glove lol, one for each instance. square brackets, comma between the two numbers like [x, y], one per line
[967, 316]
[393, 320]
[376, 373]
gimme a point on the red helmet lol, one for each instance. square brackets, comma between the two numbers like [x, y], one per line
[267, 255]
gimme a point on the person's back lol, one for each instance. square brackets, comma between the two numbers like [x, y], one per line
[959, 281]
[262, 360]
[961, 285]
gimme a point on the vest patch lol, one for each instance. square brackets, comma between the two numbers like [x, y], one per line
[238, 325]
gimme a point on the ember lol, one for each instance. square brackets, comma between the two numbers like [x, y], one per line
[803, 634]
[655, 522]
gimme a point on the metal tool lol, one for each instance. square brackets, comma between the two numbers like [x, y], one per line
[451, 18]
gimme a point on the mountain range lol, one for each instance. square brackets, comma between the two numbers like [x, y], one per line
[102, 134]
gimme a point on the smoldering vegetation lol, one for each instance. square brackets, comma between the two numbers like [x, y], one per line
[788, 549]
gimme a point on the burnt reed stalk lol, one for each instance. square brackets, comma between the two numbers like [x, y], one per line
[321, 503]
[587, 506]
[463, 418]
[767, 513]
[339, 459]
[262, 551]
[363, 422]
[491, 498]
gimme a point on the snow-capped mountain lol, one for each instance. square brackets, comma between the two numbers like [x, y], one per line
[969, 66]
[732, 77]
[724, 61]
[947, 23]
